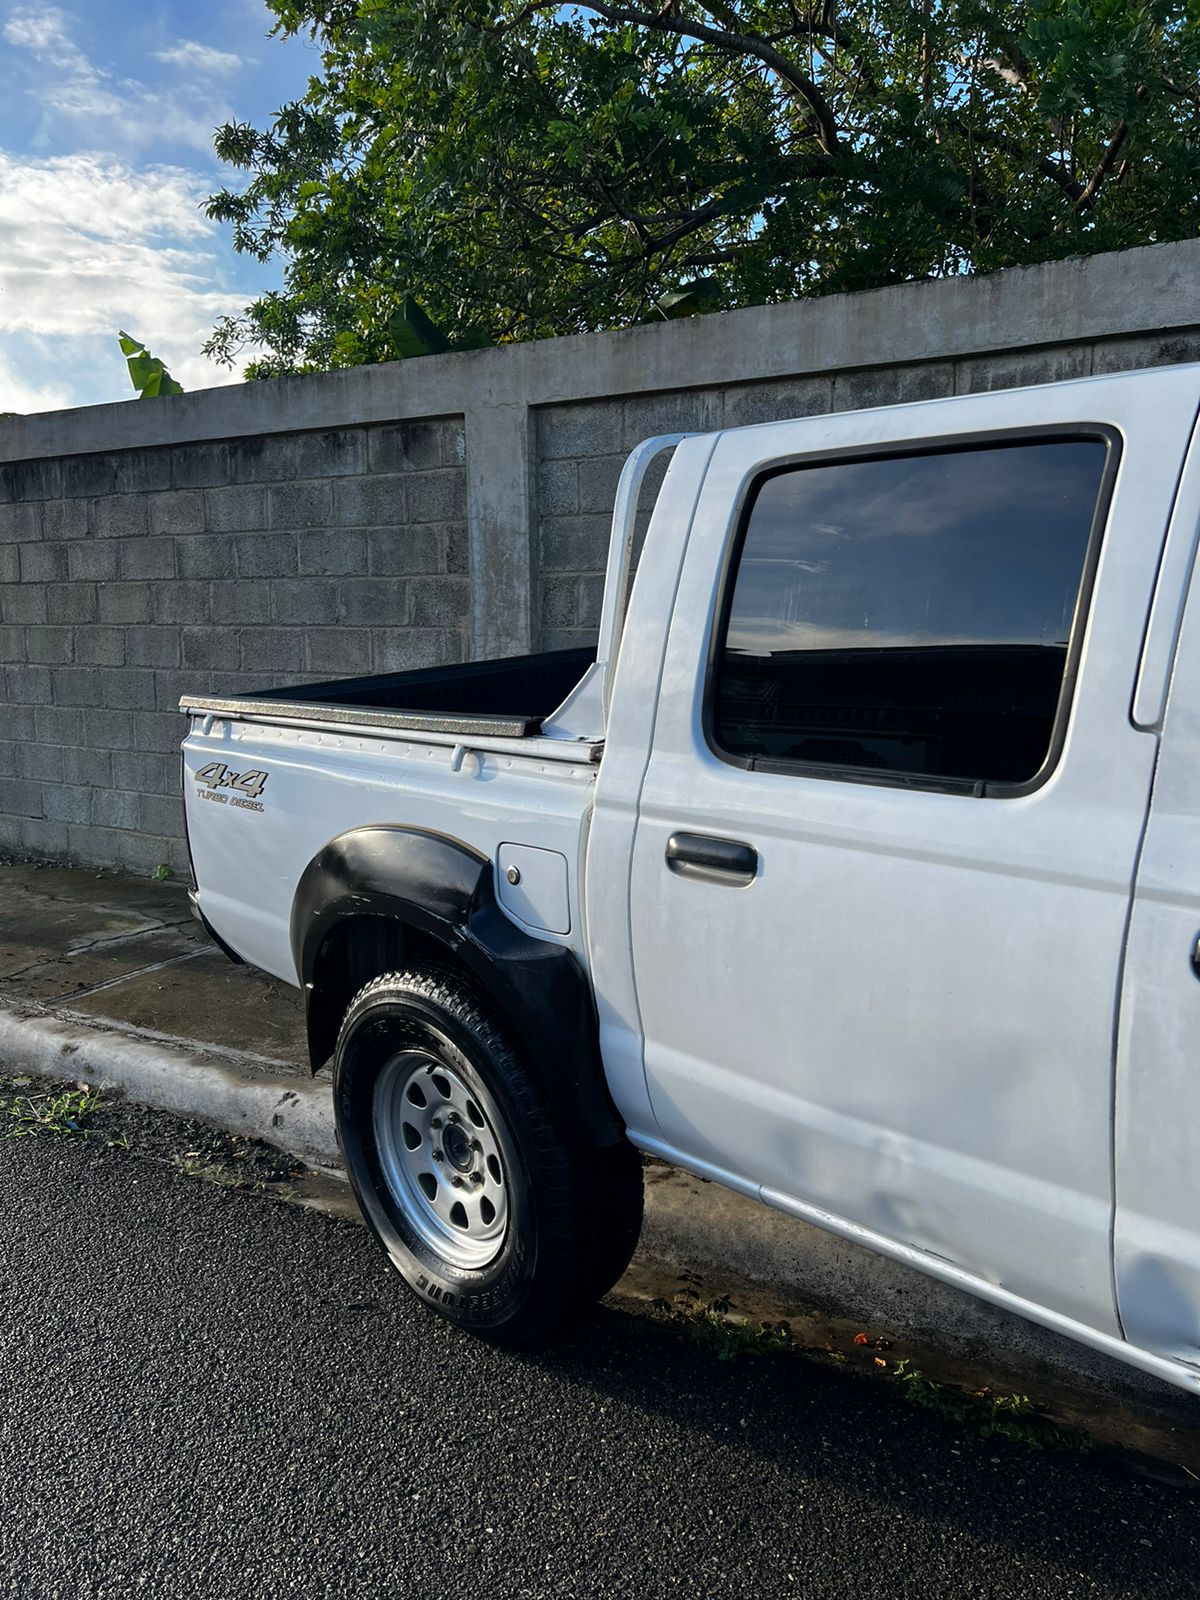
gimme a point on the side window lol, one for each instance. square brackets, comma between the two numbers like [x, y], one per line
[909, 615]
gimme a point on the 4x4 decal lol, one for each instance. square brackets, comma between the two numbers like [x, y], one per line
[216, 776]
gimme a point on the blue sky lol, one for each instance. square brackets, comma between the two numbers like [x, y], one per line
[106, 128]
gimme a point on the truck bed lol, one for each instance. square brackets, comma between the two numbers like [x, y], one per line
[497, 699]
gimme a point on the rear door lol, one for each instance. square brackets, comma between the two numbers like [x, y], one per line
[887, 832]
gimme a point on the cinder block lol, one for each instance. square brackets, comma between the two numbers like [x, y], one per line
[180, 512]
[108, 730]
[19, 523]
[597, 486]
[266, 555]
[340, 652]
[22, 797]
[685, 411]
[371, 502]
[406, 446]
[865, 387]
[372, 600]
[272, 650]
[12, 642]
[40, 562]
[558, 488]
[152, 647]
[142, 471]
[437, 496]
[124, 602]
[212, 647]
[333, 550]
[438, 602]
[147, 558]
[119, 516]
[575, 544]
[100, 647]
[185, 600]
[67, 803]
[781, 400]
[241, 509]
[205, 555]
[1014, 369]
[1145, 350]
[41, 762]
[163, 731]
[115, 808]
[129, 690]
[269, 459]
[199, 466]
[335, 454]
[456, 547]
[559, 606]
[23, 602]
[300, 505]
[83, 477]
[88, 768]
[92, 560]
[62, 725]
[306, 601]
[30, 480]
[27, 685]
[245, 601]
[159, 814]
[50, 646]
[71, 602]
[592, 428]
[396, 552]
[64, 519]
[405, 649]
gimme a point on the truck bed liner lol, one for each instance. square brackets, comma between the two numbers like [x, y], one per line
[498, 699]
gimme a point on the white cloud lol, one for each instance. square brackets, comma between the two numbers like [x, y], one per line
[201, 58]
[88, 245]
[116, 113]
[44, 31]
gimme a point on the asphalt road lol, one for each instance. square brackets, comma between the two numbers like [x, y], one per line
[207, 1393]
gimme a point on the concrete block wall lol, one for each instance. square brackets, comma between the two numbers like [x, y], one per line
[427, 511]
[130, 577]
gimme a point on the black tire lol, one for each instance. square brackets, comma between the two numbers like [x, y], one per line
[566, 1217]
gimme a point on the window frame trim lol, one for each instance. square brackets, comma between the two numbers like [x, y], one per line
[953, 444]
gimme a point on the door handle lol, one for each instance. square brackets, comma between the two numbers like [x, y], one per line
[699, 855]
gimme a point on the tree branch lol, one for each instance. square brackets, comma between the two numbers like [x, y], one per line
[800, 86]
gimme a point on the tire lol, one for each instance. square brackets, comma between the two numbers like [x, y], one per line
[489, 1215]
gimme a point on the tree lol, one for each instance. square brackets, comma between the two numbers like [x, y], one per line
[520, 168]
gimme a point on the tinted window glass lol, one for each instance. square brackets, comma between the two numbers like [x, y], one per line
[909, 615]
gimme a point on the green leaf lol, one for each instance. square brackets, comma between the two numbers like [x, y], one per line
[412, 333]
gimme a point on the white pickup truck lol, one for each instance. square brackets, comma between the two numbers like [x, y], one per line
[858, 870]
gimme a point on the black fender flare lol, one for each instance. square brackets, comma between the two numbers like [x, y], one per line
[445, 891]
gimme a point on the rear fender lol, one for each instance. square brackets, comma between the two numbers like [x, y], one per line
[444, 892]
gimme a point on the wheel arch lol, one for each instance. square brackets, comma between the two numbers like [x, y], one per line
[383, 896]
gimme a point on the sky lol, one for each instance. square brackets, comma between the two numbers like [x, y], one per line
[106, 127]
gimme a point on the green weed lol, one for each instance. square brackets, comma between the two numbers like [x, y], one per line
[56, 1111]
[711, 1324]
[1014, 1417]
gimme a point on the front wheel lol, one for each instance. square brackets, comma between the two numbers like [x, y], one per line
[488, 1215]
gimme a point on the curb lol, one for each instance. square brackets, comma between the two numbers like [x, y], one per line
[780, 1268]
[292, 1113]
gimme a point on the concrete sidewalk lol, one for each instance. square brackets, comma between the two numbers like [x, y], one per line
[107, 979]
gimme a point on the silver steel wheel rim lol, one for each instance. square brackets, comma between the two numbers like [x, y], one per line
[444, 1157]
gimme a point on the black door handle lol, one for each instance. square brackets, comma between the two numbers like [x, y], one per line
[699, 855]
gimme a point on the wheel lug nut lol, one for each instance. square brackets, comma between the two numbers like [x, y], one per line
[454, 1117]
[477, 1177]
[475, 1145]
[457, 1182]
[436, 1123]
[437, 1156]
